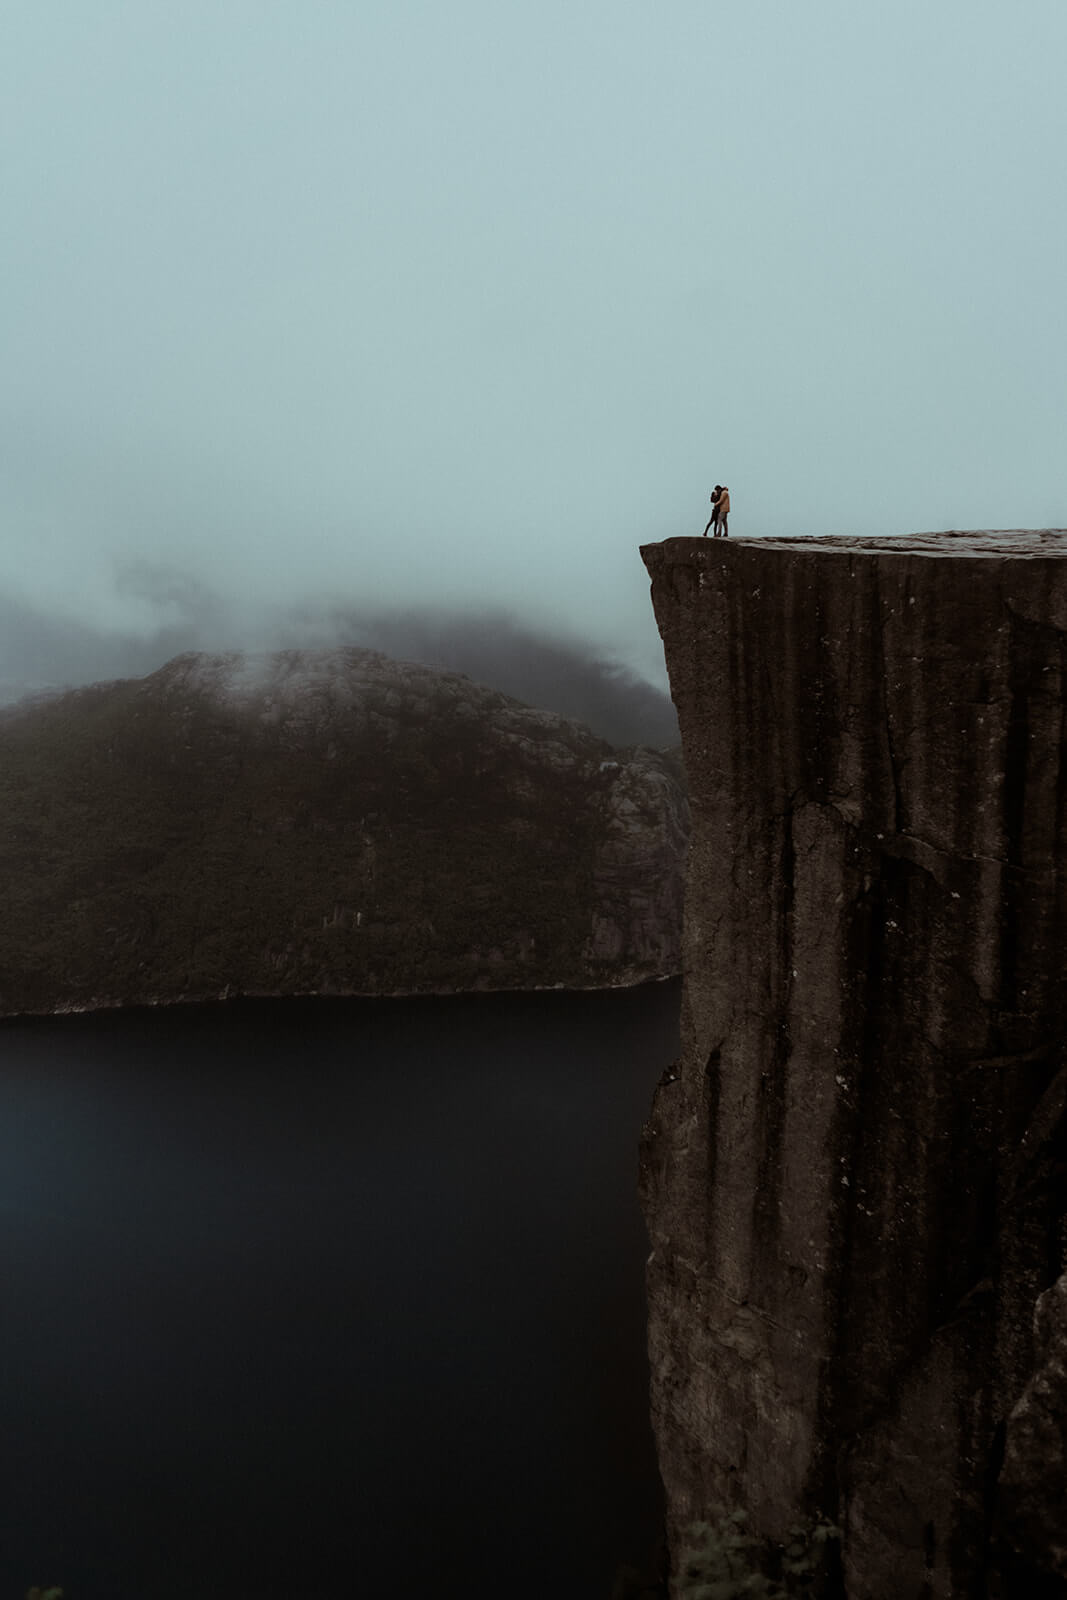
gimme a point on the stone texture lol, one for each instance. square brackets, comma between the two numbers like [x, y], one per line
[1032, 1503]
[854, 1178]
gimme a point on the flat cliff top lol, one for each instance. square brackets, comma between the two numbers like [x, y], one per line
[996, 542]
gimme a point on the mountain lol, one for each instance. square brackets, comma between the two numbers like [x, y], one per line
[331, 822]
[42, 654]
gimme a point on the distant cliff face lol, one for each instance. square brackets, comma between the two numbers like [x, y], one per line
[324, 822]
[855, 1179]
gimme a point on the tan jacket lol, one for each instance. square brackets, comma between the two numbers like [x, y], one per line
[723, 507]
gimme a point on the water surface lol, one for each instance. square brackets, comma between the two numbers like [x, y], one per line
[327, 1294]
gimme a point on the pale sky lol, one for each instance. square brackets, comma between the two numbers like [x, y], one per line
[410, 302]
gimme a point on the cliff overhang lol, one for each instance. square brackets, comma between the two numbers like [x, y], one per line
[854, 1180]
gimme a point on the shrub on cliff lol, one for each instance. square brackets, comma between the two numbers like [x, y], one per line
[723, 1561]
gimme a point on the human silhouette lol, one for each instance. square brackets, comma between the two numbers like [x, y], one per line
[715, 493]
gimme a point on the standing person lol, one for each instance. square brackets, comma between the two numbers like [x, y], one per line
[722, 511]
[715, 493]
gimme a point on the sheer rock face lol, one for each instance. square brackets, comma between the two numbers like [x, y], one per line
[854, 1181]
[1032, 1515]
[325, 822]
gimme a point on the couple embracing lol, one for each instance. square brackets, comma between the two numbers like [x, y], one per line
[720, 510]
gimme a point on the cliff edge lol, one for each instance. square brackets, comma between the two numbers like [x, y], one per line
[855, 1178]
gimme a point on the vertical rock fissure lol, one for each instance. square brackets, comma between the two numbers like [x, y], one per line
[770, 1108]
[1013, 810]
[898, 821]
[712, 1090]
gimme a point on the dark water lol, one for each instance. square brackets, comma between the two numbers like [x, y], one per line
[303, 1298]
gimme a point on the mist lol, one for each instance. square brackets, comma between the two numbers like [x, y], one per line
[407, 307]
[42, 654]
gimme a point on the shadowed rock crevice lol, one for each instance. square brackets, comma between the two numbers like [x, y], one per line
[855, 1188]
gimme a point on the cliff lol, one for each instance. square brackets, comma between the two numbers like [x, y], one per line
[855, 1177]
[324, 822]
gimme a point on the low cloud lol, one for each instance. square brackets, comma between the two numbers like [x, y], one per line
[169, 612]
